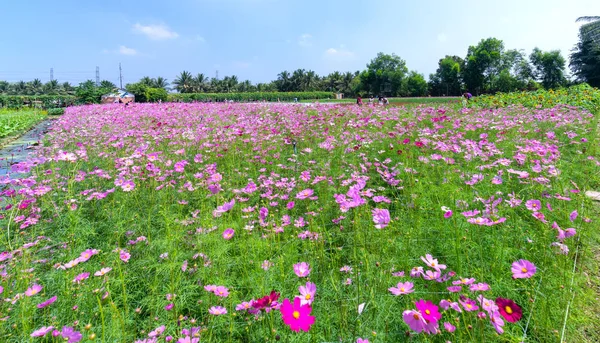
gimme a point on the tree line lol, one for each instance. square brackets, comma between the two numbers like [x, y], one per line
[487, 67]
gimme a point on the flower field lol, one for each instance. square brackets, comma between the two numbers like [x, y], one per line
[275, 222]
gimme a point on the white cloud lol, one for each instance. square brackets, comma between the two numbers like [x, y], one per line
[123, 50]
[340, 53]
[305, 40]
[155, 32]
[442, 37]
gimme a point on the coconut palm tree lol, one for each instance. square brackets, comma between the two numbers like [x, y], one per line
[107, 84]
[67, 88]
[591, 28]
[184, 82]
[35, 87]
[19, 88]
[283, 81]
[51, 87]
[161, 82]
[4, 87]
[200, 83]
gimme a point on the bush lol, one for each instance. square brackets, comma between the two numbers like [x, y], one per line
[254, 96]
[43, 101]
[156, 94]
[56, 111]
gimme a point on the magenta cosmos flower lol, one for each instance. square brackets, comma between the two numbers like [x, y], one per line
[307, 293]
[402, 288]
[305, 194]
[81, 277]
[102, 272]
[523, 269]
[228, 233]
[217, 310]
[509, 310]
[71, 335]
[428, 310]
[414, 319]
[47, 302]
[381, 218]
[302, 269]
[124, 256]
[33, 290]
[296, 315]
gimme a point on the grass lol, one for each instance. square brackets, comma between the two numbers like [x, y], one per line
[141, 185]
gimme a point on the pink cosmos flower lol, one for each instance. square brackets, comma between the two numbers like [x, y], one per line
[497, 322]
[33, 290]
[157, 332]
[210, 288]
[482, 287]
[81, 277]
[381, 218]
[244, 306]
[102, 272]
[169, 307]
[296, 315]
[47, 302]
[361, 340]
[87, 254]
[454, 289]
[228, 234]
[433, 263]
[305, 194]
[523, 269]
[124, 256]
[468, 304]
[290, 205]
[41, 332]
[266, 264]
[402, 288]
[447, 214]
[573, 215]
[302, 269]
[449, 327]
[533, 205]
[71, 335]
[414, 319]
[221, 291]
[188, 339]
[307, 293]
[217, 310]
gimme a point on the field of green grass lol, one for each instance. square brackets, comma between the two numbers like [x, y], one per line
[421, 100]
[15, 122]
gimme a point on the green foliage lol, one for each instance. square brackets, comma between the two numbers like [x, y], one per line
[88, 93]
[384, 75]
[415, 85]
[156, 94]
[548, 67]
[139, 90]
[56, 111]
[257, 96]
[585, 61]
[447, 78]
[581, 95]
[41, 101]
[15, 122]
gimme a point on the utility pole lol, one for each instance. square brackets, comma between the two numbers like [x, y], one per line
[120, 77]
[51, 74]
[217, 75]
[97, 76]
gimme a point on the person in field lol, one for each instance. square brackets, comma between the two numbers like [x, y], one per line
[359, 101]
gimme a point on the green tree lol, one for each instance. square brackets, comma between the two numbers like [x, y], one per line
[4, 87]
[184, 83]
[35, 87]
[87, 92]
[139, 90]
[447, 78]
[590, 30]
[483, 64]
[107, 85]
[51, 87]
[161, 82]
[585, 61]
[155, 94]
[283, 82]
[416, 85]
[384, 75]
[548, 67]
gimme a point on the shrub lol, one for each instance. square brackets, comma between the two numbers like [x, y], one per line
[156, 94]
[56, 111]
[43, 101]
[254, 96]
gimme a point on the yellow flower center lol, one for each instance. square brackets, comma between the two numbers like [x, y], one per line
[307, 297]
[296, 314]
[416, 316]
[402, 289]
[469, 305]
[427, 312]
[508, 309]
[524, 270]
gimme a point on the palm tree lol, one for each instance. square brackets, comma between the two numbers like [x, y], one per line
[67, 88]
[184, 82]
[107, 84]
[200, 83]
[310, 80]
[4, 86]
[35, 87]
[161, 82]
[591, 28]
[230, 83]
[51, 87]
[20, 88]
[147, 81]
[332, 81]
[283, 81]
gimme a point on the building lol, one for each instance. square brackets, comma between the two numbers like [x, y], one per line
[118, 96]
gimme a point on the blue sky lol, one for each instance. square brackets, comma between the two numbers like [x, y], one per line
[257, 39]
